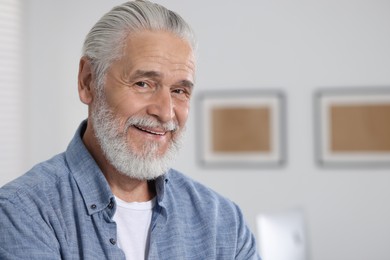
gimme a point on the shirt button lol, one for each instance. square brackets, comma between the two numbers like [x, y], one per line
[93, 206]
[111, 205]
[112, 241]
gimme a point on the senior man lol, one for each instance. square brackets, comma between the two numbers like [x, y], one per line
[111, 194]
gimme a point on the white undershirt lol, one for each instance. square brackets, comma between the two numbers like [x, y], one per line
[133, 223]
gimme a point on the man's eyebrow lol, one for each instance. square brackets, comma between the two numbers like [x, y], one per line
[147, 74]
[186, 83]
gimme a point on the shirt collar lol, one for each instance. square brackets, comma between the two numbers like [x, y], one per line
[91, 182]
[161, 186]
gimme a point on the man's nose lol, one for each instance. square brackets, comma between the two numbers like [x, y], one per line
[161, 105]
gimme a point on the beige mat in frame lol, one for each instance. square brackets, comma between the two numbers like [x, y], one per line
[353, 127]
[241, 128]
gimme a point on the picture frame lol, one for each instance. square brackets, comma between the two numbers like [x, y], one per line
[241, 128]
[352, 127]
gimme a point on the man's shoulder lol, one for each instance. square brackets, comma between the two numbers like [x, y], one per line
[182, 181]
[190, 189]
[38, 180]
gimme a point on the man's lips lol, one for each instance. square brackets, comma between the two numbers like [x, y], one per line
[150, 131]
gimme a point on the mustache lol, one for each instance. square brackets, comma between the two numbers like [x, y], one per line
[150, 122]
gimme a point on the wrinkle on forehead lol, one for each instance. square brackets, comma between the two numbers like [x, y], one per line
[157, 51]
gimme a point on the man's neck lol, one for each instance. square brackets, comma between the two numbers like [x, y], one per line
[129, 189]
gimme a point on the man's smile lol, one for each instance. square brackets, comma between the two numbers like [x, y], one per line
[150, 131]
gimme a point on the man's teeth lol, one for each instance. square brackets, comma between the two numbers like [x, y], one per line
[149, 131]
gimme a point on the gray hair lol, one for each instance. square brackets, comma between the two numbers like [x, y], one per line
[105, 41]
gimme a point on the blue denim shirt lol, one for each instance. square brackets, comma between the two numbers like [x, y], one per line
[63, 208]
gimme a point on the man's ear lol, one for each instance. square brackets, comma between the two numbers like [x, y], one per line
[85, 81]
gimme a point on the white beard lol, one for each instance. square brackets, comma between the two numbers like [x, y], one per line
[147, 164]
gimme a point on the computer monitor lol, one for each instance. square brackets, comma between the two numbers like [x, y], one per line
[282, 235]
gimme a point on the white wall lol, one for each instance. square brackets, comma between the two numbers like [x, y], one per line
[296, 46]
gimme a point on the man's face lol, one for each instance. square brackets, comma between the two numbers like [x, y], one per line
[146, 98]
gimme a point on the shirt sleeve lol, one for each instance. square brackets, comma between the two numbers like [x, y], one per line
[23, 236]
[246, 242]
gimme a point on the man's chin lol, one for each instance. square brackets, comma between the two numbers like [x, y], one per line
[143, 176]
[150, 150]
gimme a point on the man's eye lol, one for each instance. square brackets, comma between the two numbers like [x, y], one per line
[179, 91]
[141, 84]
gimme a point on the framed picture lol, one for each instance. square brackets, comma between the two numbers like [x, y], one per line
[241, 128]
[353, 127]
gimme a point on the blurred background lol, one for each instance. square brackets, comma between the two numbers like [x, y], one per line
[296, 46]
